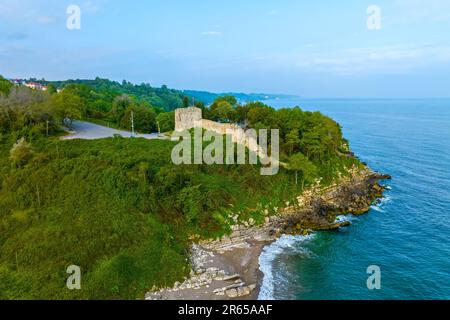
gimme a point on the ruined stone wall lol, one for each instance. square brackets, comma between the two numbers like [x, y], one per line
[188, 118]
[238, 135]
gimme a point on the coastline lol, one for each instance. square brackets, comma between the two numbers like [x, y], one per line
[229, 268]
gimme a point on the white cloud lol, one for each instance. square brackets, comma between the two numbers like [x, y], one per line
[44, 20]
[380, 60]
[211, 33]
[419, 11]
[91, 7]
[42, 12]
[28, 12]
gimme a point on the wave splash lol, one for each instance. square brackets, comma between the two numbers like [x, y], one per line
[266, 260]
[378, 206]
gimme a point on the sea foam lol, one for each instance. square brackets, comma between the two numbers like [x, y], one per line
[381, 203]
[270, 253]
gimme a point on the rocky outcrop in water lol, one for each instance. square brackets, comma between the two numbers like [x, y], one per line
[316, 209]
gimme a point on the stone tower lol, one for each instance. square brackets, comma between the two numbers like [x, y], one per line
[188, 118]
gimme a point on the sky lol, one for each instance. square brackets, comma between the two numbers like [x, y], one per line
[321, 48]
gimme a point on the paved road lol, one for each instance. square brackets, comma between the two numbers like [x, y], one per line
[91, 131]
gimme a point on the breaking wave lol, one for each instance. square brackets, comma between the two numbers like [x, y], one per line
[378, 206]
[286, 244]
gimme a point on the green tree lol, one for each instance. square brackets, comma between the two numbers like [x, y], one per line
[190, 201]
[20, 153]
[292, 141]
[166, 121]
[223, 111]
[68, 106]
[51, 88]
[299, 163]
[186, 102]
[5, 86]
[241, 114]
[120, 104]
[260, 113]
[200, 105]
[230, 99]
[144, 119]
[316, 143]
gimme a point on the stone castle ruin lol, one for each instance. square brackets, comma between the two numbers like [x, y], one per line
[189, 118]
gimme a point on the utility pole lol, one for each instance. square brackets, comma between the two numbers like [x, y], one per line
[47, 128]
[132, 123]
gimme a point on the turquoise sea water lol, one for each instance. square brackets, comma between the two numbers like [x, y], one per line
[407, 235]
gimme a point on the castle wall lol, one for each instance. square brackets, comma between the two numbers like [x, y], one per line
[188, 118]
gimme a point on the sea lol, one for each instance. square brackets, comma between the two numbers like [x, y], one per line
[406, 234]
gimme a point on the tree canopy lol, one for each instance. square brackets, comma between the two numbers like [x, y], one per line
[166, 121]
[162, 98]
[5, 86]
[300, 163]
[315, 135]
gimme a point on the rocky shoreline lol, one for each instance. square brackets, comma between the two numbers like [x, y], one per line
[229, 268]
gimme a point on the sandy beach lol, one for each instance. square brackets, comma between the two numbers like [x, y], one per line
[235, 268]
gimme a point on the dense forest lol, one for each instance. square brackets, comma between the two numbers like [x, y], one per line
[162, 98]
[100, 101]
[119, 208]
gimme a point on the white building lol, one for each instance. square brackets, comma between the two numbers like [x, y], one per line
[36, 86]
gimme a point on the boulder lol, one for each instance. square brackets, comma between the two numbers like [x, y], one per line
[231, 293]
[232, 277]
[243, 291]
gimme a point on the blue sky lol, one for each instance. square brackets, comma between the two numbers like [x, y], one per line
[309, 48]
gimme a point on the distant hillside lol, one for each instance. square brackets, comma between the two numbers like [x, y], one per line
[164, 98]
[209, 97]
[159, 97]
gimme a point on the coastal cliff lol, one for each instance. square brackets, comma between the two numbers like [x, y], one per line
[228, 268]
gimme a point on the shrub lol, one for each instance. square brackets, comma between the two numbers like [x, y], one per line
[20, 153]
